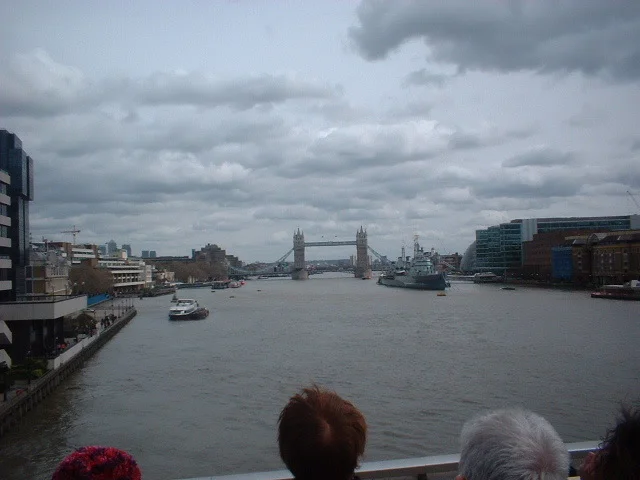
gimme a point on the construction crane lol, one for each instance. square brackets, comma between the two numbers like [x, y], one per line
[634, 200]
[73, 232]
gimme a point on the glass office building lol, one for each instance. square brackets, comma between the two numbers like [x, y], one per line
[19, 166]
[499, 247]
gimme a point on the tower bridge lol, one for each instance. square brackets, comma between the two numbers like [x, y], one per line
[299, 271]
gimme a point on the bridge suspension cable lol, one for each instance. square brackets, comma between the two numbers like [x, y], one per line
[268, 268]
[382, 258]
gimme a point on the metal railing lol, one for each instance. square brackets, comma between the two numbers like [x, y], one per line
[43, 298]
[421, 468]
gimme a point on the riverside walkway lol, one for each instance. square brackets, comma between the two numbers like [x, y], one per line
[111, 317]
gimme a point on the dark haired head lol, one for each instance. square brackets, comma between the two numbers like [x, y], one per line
[98, 463]
[321, 436]
[619, 455]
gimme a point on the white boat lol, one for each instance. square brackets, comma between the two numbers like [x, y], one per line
[183, 309]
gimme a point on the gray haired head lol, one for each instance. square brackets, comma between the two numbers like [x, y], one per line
[512, 445]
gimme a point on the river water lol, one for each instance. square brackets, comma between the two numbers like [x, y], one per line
[202, 398]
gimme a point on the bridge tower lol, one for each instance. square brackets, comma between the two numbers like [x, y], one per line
[363, 267]
[299, 271]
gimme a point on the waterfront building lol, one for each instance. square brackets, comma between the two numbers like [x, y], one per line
[32, 323]
[499, 247]
[18, 186]
[468, 261]
[152, 254]
[129, 274]
[145, 253]
[538, 254]
[615, 257]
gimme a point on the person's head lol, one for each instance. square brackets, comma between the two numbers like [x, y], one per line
[321, 436]
[511, 445]
[98, 463]
[619, 453]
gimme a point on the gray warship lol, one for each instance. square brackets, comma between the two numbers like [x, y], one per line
[418, 272]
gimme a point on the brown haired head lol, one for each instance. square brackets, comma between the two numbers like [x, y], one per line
[321, 436]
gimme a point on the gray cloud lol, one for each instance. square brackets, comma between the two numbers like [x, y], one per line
[172, 161]
[35, 85]
[528, 188]
[587, 36]
[540, 157]
[424, 77]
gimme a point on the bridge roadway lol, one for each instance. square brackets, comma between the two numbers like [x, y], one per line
[329, 244]
[421, 468]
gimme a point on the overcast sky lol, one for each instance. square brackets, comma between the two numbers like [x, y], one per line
[170, 125]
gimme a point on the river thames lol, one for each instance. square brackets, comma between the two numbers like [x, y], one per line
[202, 398]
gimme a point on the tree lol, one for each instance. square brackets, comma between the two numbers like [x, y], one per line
[89, 280]
[83, 323]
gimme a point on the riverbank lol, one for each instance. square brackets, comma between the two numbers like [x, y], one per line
[26, 397]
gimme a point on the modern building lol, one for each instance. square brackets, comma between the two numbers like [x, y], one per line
[127, 248]
[31, 323]
[6, 284]
[19, 187]
[145, 253]
[499, 248]
[152, 254]
[6, 270]
[468, 262]
[112, 247]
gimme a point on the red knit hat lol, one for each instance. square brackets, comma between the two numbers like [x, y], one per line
[98, 463]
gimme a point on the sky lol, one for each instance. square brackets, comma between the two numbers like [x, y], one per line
[171, 125]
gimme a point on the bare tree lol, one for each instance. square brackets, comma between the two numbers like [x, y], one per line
[89, 280]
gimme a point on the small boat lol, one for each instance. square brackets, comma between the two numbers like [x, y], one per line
[174, 299]
[187, 309]
[441, 294]
[235, 285]
[507, 288]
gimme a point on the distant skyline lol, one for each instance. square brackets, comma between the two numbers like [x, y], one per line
[171, 125]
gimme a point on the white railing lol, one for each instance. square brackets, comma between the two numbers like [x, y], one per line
[421, 468]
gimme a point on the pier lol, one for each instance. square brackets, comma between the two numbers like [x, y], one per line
[12, 411]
